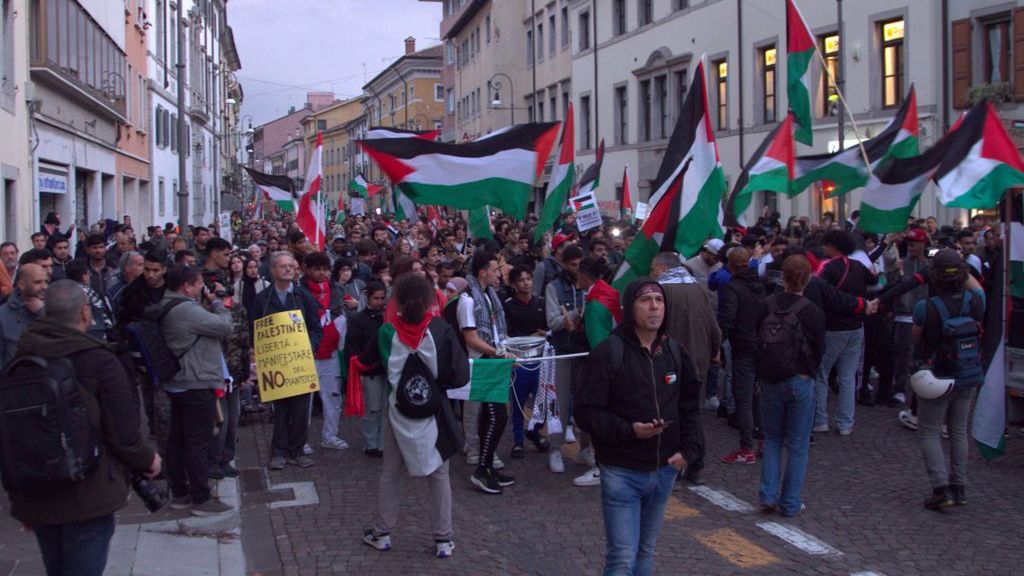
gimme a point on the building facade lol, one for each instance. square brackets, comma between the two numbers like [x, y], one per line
[134, 193]
[17, 207]
[333, 123]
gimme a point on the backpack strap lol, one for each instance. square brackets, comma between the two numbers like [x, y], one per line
[940, 306]
[163, 312]
[965, 304]
[799, 305]
[773, 305]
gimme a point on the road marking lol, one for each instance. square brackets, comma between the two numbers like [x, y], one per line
[736, 549]
[869, 573]
[722, 499]
[676, 510]
[799, 539]
[305, 494]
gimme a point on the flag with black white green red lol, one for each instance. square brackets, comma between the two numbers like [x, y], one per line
[591, 177]
[386, 132]
[981, 163]
[560, 183]
[771, 169]
[404, 208]
[277, 187]
[898, 180]
[364, 189]
[602, 312]
[310, 214]
[499, 171]
[626, 209]
[800, 49]
[480, 223]
[489, 380]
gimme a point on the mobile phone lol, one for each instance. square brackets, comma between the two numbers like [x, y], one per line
[662, 423]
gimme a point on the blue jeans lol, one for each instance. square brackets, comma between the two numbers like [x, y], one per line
[787, 416]
[525, 383]
[633, 504]
[78, 548]
[842, 350]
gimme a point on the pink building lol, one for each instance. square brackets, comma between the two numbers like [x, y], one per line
[270, 139]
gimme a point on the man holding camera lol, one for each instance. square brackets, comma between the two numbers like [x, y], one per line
[74, 522]
[193, 332]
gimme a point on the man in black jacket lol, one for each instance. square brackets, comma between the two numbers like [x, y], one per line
[361, 333]
[640, 402]
[291, 415]
[74, 523]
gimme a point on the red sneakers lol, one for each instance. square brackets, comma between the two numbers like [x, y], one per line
[740, 456]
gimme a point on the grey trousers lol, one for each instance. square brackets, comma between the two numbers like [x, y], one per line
[375, 394]
[470, 422]
[952, 410]
[388, 494]
[903, 354]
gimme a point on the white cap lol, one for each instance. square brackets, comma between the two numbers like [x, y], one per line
[713, 245]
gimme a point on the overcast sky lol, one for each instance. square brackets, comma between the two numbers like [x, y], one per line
[290, 47]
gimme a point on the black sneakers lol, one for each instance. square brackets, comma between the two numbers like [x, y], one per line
[959, 494]
[503, 480]
[540, 442]
[485, 481]
[940, 499]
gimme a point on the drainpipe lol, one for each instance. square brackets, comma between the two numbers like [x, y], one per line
[533, 68]
[594, 109]
[945, 69]
[739, 32]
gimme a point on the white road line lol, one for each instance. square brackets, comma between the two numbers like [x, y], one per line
[722, 499]
[869, 573]
[799, 539]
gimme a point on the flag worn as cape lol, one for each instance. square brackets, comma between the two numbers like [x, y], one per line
[310, 216]
[563, 175]
[498, 171]
[799, 53]
[277, 187]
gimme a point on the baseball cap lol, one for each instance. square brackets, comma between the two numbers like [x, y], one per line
[916, 235]
[338, 237]
[457, 285]
[714, 245]
[558, 239]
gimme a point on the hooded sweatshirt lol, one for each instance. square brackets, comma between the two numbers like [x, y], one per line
[646, 385]
[113, 409]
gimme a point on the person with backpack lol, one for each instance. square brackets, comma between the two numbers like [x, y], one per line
[72, 518]
[641, 406]
[790, 342]
[361, 333]
[422, 358]
[947, 331]
[193, 335]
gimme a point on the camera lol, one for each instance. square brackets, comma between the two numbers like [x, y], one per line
[227, 292]
[151, 495]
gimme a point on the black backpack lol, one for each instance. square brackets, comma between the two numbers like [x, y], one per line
[149, 349]
[782, 344]
[417, 393]
[46, 438]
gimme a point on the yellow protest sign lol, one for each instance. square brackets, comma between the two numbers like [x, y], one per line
[284, 357]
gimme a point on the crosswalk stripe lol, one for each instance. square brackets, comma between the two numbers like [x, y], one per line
[676, 510]
[736, 549]
[799, 539]
[722, 499]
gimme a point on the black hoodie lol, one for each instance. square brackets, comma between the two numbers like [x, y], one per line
[738, 303]
[645, 386]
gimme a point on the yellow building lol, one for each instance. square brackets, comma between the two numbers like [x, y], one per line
[332, 122]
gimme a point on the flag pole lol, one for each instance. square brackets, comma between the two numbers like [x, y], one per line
[846, 109]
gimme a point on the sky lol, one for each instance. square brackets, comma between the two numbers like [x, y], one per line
[290, 47]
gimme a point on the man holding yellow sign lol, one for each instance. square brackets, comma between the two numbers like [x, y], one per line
[285, 333]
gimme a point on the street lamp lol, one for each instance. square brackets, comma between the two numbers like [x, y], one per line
[496, 102]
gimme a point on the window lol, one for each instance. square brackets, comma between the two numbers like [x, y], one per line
[682, 84]
[321, 125]
[645, 110]
[551, 34]
[438, 92]
[681, 4]
[646, 11]
[540, 110]
[721, 69]
[529, 47]
[449, 50]
[892, 63]
[565, 102]
[552, 102]
[621, 115]
[768, 57]
[829, 95]
[618, 17]
[161, 194]
[585, 122]
[487, 28]
[996, 50]
[565, 26]
[174, 132]
[158, 128]
[540, 42]
[451, 100]
[583, 31]
[661, 107]
[472, 45]
[161, 32]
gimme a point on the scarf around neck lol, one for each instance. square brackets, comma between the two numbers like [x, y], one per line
[490, 319]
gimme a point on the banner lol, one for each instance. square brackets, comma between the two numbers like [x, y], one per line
[284, 356]
[641, 210]
[587, 214]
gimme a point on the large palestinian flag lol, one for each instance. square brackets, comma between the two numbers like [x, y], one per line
[276, 187]
[499, 171]
[381, 132]
[799, 53]
[561, 181]
[769, 169]
[894, 189]
[310, 216]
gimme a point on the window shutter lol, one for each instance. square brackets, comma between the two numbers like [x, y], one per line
[961, 61]
[1018, 54]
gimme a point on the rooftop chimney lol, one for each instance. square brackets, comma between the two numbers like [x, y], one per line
[410, 45]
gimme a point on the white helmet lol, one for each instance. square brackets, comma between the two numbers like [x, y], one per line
[926, 385]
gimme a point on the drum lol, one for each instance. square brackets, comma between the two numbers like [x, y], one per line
[526, 346]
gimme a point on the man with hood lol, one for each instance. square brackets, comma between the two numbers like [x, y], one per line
[640, 404]
[74, 523]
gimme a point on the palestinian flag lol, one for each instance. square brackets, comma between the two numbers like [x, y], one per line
[374, 132]
[602, 312]
[489, 381]
[560, 183]
[591, 177]
[310, 216]
[1017, 255]
[981, 162]
[626, 210]
[277, 187]
[846, 169]
[584, 202]
[364, 189]
[894, 189]
[435, 220]
[770, 169]
[480, 223]
[405, 208]
[499, 171]
[799, 53]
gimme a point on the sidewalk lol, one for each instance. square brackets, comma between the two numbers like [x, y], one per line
[170, 542]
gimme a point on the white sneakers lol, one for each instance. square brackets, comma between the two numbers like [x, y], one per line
[591, 477]
[711, 404]
[555, 463]
[907, 419]
[334, 444]
[586, 456]
[473, 458]
[570, 436]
